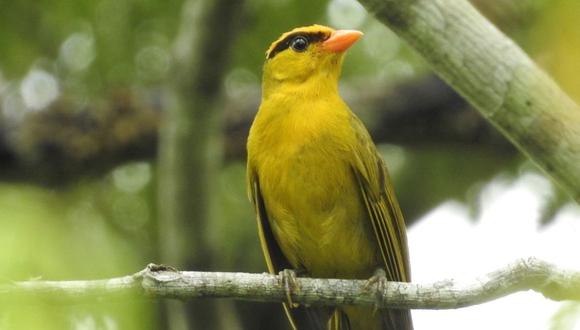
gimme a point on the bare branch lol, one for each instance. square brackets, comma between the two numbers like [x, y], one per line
[163, 282]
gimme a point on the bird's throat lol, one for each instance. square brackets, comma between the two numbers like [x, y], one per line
[321, 84]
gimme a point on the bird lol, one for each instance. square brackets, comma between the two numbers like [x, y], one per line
[323, 197]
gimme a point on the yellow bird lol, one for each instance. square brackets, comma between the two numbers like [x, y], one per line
[324, 201]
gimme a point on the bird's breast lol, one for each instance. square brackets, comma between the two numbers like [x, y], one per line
[313, 202]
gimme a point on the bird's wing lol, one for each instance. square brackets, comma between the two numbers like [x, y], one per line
[386, 219]
[383, 209]
[300, 318]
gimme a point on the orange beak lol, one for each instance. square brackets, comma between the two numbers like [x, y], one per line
[341, 40]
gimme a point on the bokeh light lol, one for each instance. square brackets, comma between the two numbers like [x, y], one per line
[38, 89]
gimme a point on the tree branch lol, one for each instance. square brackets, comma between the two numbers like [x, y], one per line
[496, 77]
[164, 282]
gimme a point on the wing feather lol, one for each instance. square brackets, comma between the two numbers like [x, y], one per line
[383, 209]
[386, 219]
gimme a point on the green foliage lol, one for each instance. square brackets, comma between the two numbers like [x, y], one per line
[117, 43]
[65, 235]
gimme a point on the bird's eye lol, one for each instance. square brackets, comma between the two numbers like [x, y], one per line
[299, 44]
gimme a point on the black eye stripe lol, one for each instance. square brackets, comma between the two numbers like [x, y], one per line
[285, 43]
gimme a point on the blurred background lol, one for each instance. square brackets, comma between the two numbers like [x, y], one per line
[122, 142]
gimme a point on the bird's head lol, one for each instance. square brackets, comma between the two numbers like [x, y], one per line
[308, 52]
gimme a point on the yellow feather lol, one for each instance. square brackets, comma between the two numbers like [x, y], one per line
[324, 200]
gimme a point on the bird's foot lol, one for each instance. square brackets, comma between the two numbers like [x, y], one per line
[379, 282]
[288, 278]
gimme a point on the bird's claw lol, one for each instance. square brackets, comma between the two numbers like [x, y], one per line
[379, 282]
[288, 279]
